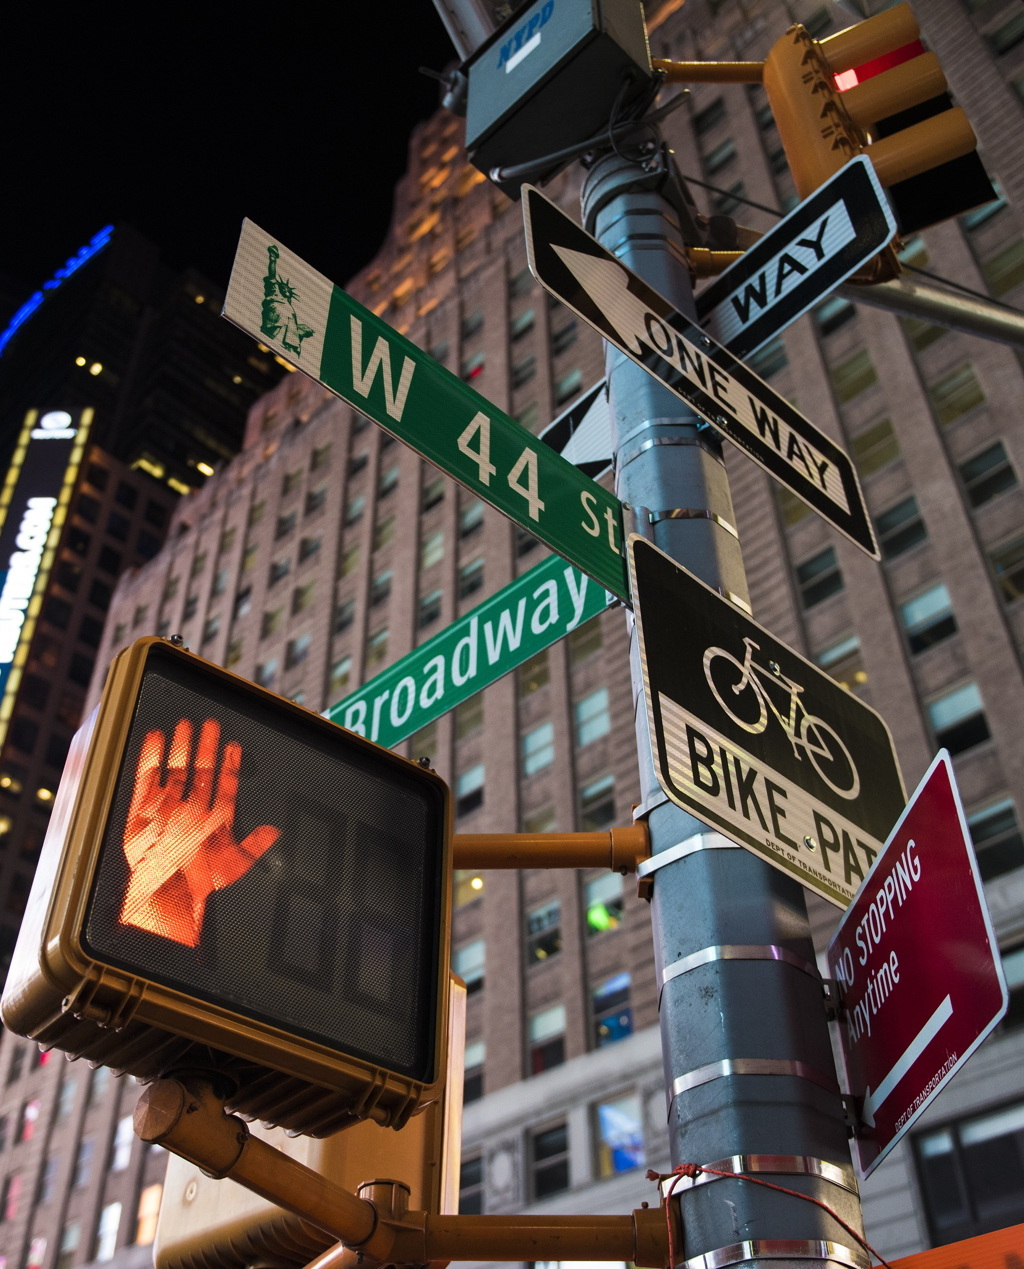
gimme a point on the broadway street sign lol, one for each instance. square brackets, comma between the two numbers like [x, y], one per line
[752, 738]
[279, 299]
[642, 324]
[805, 256]
[522, 619]
[918, 967]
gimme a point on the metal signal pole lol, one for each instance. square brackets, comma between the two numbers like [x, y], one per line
[749, 1072]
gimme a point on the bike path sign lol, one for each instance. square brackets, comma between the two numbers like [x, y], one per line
[918, 966]
[643, 325]
[276, 297]
[754, 739]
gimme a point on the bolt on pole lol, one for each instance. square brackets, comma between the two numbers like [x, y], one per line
[748, 1063]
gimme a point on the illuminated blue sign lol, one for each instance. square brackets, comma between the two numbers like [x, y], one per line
[84, 254]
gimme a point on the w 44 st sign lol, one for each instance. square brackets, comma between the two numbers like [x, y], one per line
[279, 299]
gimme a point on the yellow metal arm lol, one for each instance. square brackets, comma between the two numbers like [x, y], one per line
[621, 849]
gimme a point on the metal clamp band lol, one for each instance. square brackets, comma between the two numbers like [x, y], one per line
[694, 513]
[840, 1174]
[738, 952]
[779, 1249]
[623, 459]
[699, 841]
[749, 1066]
[738, 600]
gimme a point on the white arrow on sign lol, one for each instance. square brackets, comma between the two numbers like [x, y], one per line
[872, 1100]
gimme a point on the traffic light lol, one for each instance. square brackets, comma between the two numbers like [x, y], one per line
[231, 882]
[209, 1224]
[896, 111]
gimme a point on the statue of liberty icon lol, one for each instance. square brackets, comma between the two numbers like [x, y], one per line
[280, 321]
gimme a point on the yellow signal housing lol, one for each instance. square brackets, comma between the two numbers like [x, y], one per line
[822, 128]
[231, 883]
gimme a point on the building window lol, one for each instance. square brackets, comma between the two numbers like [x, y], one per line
[791, 508]
[147, 1213]
[1013, 972]
[997, 839]
[972, 1174]
[70, 1235]
[955, 395]
[380, 587]
[211, 628]
[123, 1138]
[472, 324]
[529, 416]
[469, 790]
[543, 932]
[432, 549]
[471, 1186]
[308, 547]
[1005, 270]
[285, 524]
[987, 474]
[584, 641]
[471, 518]
[546, 1032]
[12, 1197]
[852, 377]
[593, 717]
[265, 673]
[519, 284]
[900, 528]
[537, 749]
[290, 483]
[473, 1080]
[349, 560]
[620, 1136]
[603, 898]
[549, 1161]
[835, 311]
[1007, 563]
[958, 719]
[344, 615]
[928, 619]
[613, 1017]
[383, 532]
[36, 1253]
[106, 1232]
[48, 1180]
[521, 326]
[525, 542]
[355, 508]
[769, 360]
[567, 386]
[468, 963]
[387, 481]
[564, 338]
[533, 674]
[424, 741]
[297, 650]
[597, 805]
[469, 716]
[471, 578]
[429, 608]
[83, 1164]
[523, 370]
[819, 578]
[29, 1119]
[473, 367]
[720, 156]
[467, 884]
[433, 493]
[704, 120]
[377, 647]
[843, 661]
[340, 677]
[921, 334]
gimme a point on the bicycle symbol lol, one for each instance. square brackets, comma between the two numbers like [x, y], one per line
[748, 683]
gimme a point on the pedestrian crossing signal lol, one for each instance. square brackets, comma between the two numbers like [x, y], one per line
[232, 882]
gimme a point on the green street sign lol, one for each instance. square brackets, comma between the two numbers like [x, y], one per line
[280, 300]
[522, 619]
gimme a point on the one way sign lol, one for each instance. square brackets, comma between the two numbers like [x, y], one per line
[638, 321]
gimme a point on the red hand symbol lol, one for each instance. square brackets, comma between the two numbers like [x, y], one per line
[181, 847]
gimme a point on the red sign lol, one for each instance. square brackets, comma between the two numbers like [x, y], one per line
[917, 965]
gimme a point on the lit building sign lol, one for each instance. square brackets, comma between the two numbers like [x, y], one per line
[82, 256]
[33, 507]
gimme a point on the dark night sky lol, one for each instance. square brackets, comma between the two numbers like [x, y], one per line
[183, 124]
